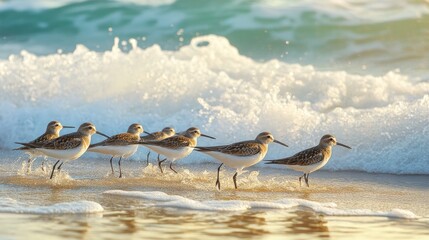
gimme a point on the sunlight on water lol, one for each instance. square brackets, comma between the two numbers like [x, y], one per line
[356, 69]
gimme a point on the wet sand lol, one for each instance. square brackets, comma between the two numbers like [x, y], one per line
[87, 179]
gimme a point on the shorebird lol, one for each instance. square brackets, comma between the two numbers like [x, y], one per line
[157, 136]
[176, 147]
[119, 145]
[67, 147]
[311, 159]
[240, 155]
[52, 131]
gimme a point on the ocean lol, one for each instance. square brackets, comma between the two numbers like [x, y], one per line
[357, 69]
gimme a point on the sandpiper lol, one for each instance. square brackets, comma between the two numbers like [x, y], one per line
[311, 159]
[119, 145]
[157, 136]
[240, 155]
[176, 147]
[52, 131]
[67, 147]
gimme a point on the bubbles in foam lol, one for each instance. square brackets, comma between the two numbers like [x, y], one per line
[227, 95]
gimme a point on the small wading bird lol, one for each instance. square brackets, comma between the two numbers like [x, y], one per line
[52, 131]
[67, 147]
[240, 155]
[311, 159]
[157, 136]
[119, 145]
[175, 147]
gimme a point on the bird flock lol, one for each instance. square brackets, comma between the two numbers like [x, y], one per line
[172, 146]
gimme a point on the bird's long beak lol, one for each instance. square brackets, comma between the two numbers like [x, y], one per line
[343, 145]
[207, 136]
[102, 134]
[68, 127]
[280, 143]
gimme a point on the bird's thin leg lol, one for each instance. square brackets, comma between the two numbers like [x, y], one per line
[120, 170]
[172, 167]
[159, 164]
[235, 179]
[111, 165]
[59, 167]
[147, 158]
[300, 179]
[217, 180]
[53, 168]
[306, 179]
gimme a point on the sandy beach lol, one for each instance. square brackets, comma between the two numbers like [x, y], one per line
[193, 215]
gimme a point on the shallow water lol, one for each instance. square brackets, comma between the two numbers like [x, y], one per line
[299, 69]
[177, 212]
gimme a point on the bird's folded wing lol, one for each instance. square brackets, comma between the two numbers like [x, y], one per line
[304, 158]
[171, 142]
[248, 148]
[121, 139]
[152, 136]
[63, 143]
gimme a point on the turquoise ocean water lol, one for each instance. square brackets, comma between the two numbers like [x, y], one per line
[358, 35]
[357, 69]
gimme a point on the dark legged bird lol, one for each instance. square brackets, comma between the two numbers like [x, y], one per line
[68, 147]
[240, 155]
[52, 131]
[119, 145]
[175, 147]
[311, 159]
[157, 136]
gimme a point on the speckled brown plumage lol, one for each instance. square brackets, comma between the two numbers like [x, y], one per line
[174, 142]
[246, 148]
[121, 139]
[65, 142]
[304, 158]
[155, 136]
[40, 140]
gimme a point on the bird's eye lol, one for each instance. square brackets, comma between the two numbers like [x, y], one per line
[56, 125]
[90, 127]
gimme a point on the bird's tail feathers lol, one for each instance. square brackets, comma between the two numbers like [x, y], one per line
[28, 145]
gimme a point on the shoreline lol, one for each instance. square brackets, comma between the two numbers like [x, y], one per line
[371, 200]
[379, 191]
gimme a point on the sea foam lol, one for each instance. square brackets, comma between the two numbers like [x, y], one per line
[210, 85]
[9, 205]
[162, 199]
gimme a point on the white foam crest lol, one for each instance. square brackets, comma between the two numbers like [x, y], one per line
[165, 200]
[208, 84]
[9, 205]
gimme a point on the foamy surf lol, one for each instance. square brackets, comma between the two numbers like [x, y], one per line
[9, 205]
[162, 199]
[226, 94]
